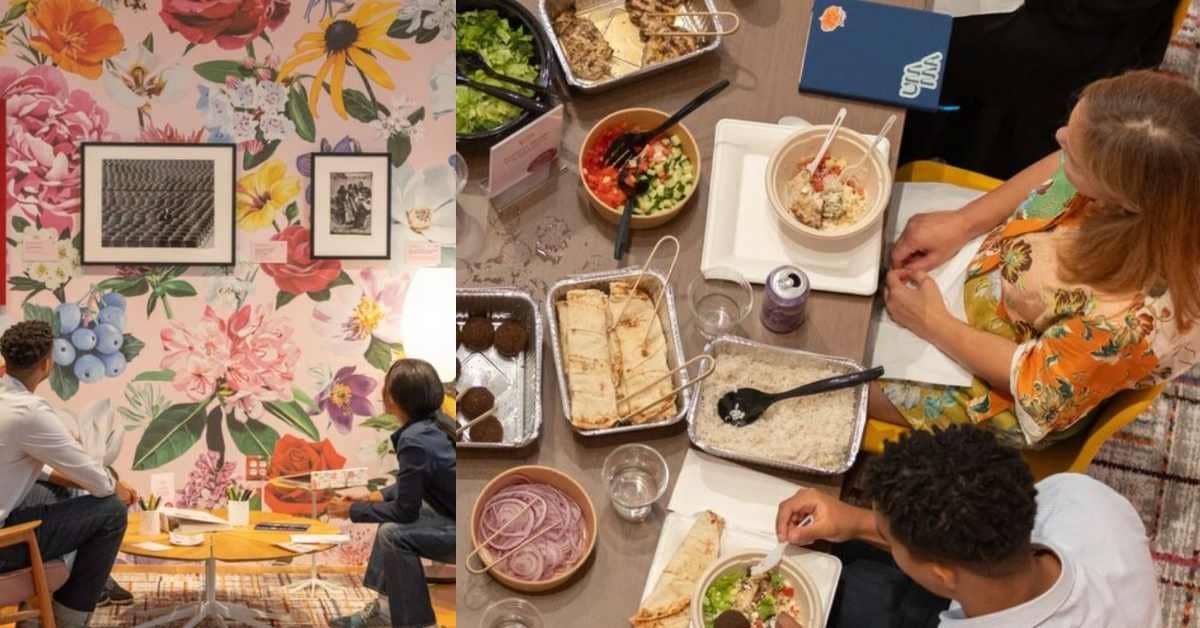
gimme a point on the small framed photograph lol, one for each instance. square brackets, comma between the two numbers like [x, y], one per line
[158, 203]
[351, 206]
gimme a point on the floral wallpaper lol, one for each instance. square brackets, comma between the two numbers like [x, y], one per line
[229, 375]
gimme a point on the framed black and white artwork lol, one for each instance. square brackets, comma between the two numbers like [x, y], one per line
[351, 204]
[158, 203]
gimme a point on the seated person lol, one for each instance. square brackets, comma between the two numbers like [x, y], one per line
[416, 514]
[961, 516]
[32, 436]
[1087, 284]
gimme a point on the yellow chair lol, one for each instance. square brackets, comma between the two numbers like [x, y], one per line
[33, 584]
[1073, 454]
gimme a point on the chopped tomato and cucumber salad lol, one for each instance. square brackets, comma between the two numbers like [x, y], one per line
[662, 164]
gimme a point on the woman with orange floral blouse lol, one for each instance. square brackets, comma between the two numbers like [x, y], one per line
[1087, 284]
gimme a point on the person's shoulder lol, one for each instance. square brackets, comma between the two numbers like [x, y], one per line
[1066, 501]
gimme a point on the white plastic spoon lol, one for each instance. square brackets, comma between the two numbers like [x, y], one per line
[775, 556]
[837, 124]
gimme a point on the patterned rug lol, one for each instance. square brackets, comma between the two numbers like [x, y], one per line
[264, 592]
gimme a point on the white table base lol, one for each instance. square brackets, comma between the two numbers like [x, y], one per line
[208, 607]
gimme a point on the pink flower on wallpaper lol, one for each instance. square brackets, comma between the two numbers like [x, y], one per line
[206, 483]
[46, 122]
[247, 358]
[231, 23]
[373, 306]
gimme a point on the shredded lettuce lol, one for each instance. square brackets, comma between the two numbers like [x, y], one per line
[719, 596]
[508, 50]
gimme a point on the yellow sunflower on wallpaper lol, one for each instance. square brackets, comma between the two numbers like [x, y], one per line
[78, 35]
[262, 194]
[351, 40]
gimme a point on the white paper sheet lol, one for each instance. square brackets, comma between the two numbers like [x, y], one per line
[746, 498]
[902, 354]
[152, 546]
[184, 514]
[320, 539]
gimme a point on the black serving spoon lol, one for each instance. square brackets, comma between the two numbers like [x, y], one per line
[633, 186]
[507, 96]
[745, 405]
[630, 145]
[468, 61]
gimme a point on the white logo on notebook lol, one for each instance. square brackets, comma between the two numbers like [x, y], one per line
[920, 75]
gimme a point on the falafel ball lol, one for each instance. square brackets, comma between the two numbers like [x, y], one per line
[488, 430]
[511, 339]
[477, 334]
[476, 401]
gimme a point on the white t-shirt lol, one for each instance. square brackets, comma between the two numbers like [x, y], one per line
[1107, 578]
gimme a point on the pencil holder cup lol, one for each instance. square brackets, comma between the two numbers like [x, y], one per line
[151, 523]
[239, 514]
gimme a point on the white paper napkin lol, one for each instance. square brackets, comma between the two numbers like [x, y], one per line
[902, 354]
[746, 498]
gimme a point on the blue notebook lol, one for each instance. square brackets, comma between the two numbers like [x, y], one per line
[876, 52]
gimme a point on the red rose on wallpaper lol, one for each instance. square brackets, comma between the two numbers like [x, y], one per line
[293, 456]
[232, 23]
[301, 273]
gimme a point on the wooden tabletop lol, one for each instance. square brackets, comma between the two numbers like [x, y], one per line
[552, 234]
[241, 544]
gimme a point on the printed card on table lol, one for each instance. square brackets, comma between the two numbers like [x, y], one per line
[525, 153]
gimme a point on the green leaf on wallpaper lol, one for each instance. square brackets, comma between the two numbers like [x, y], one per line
[150, 303]
[19, 224]
[283, 298]
[385, 422]
[148, 42]
[379, 354]
[291, 413]
[126, 286]
[304, 399]
[131, 347]
[174, 271]
[214, 434]
[256, 502]
[177, 288]
[169, 435]
[64, 235]
[250, 49]
[188, 48]
[399, 29]
[426, 35]
[23, 283]
[16, 10]
[358, 105]
[319, 295]
[292, 212]
[297, 111]
[253, 438]
[77, 241]
[32, 294]
[341, 280]
[40, 313]
[252, 160]
[165, 375]
[61, 294]
[417, 116]
[399, 147]
[266, 39]
[218, 71]
[63, 382]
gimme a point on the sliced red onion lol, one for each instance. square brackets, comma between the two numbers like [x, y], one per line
[553, 521]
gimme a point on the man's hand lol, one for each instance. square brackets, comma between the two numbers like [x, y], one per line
[375, 497]
[126, 494]
[339, 507]
[929, 240]
[833, 520]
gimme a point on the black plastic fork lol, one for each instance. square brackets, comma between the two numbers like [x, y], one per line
[629, 145]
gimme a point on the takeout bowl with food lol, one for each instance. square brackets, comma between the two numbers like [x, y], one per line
[871, 183]
[720, 585]
[507, 488]
[674, 169]
[520, 19]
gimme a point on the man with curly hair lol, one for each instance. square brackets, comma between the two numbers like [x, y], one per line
[32, 437]
[962, 517]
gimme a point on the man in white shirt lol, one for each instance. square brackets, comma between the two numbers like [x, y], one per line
[31, 437]
[962, 517]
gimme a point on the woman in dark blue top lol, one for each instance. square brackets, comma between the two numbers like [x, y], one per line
[416, 514]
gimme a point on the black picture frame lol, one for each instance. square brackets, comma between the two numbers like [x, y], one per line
[324, 166]
[94, 251]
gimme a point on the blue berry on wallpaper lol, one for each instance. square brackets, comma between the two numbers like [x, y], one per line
[69, 317]
[108, 339]
[113, 299]
[114, 364]
[89, 368]
[84, 339]
[114, 316]
[64, 352]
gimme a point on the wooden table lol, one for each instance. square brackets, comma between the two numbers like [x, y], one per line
[553, 234]
[243, 544]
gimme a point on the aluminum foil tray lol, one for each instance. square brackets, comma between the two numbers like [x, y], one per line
[670, 323]
[726, 345]
[516, 383]
[611, 19]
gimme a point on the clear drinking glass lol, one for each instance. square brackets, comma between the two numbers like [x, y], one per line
[636, 476]
[511, 613]
[721, 299]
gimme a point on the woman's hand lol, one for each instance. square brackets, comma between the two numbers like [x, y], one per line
[915, 302]
[929, 240]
